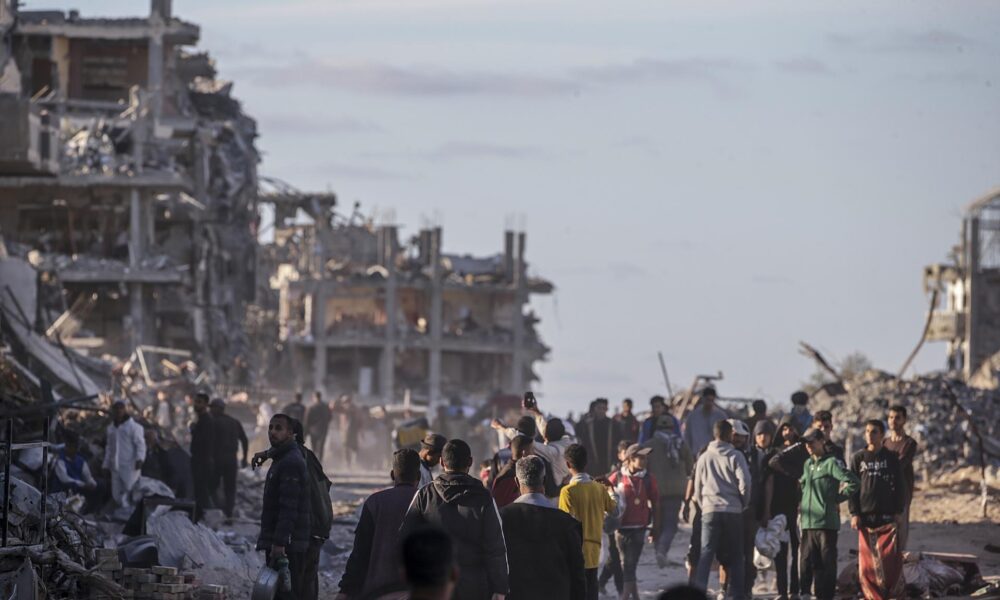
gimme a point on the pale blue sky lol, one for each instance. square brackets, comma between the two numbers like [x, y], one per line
[717, 180]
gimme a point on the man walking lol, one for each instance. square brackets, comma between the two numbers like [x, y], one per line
[124, 453]
[671, 464]
[296, 409]
[825, 484]
[202, 456]
[588, 501]
[875, 508]
[459, 504]
[600, 435]
[285, 515]
[905, 448]
[229, 435]
[317, 423]
[373, 567]
[430, 456]
[628, 424]
[657, 407]
[544, 544]
[637, 489]
[698, 425]
[722, 491]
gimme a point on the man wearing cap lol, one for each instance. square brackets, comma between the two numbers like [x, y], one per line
[229, 436]
[825, 483]
[637, 489]
[698, 424]
[124, 453]
[722, 489]
[430, 456]
[670, 463]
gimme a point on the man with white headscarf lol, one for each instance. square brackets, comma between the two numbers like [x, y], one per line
[124, 453]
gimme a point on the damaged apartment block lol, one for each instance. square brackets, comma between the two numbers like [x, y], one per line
[128, 181]
[360, 313]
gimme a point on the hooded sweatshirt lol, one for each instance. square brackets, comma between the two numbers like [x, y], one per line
[722, 479]
[459, 504]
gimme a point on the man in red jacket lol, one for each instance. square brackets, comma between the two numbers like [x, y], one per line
[505, 487]
[637, 489]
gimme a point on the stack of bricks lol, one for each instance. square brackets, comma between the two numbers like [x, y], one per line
[167, 583]
[108, 564]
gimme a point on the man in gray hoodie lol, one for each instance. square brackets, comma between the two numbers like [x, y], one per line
[722, 490]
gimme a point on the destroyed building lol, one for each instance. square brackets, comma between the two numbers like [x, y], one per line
[965, 295]
[361, 312]
[128, 180]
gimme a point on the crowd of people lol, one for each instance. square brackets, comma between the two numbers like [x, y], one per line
[563, 509]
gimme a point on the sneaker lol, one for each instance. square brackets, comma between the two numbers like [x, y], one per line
[661, 560]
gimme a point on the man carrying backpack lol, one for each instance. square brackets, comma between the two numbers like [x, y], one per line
[637, 488]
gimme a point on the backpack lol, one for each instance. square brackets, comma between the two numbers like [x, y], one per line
[320, 506]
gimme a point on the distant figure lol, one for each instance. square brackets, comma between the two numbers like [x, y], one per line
[350, 425]
[699, 422]
[429, 564]
[628, 424]
[905, 448]
[759, 414]
[544, 544]
[505, 486]
[671, 464]
[657, 407]
[462, 506]
[229, 435]
[430, 456]
[72, 472]
[373, 567]
[823, 420]
[164, 412]
[588, 501]
[202, 456]
[825, 483]
[296, 409]
[800, 412]
[600, 435]
[722, 491]
[875, 510]
[124, 453]
[317, 423]
[285, 514]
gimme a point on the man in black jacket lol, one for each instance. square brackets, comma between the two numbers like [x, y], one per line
[461, 506]
[317, 423]
[229, 436]
[600, 436]
[544, 544]
[875, 508]
[373, 567]
[284, 518]
[202, 456]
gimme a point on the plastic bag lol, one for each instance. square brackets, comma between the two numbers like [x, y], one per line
[768, 539]
[761, 562]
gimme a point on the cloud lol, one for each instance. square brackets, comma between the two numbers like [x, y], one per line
[928, 41]
[385, 79]
[361, 172]
[308, 124]
[803, 66]
[654, 70]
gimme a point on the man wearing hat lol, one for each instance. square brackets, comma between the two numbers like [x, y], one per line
[430, 456]
[825, 483]
[637, 489]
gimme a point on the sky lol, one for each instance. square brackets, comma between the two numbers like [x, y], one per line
[716, 181]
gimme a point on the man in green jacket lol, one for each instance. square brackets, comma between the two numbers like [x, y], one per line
[826, 483]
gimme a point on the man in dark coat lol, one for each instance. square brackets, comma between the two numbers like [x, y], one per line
[229, 436]
[544, 544]
[317, 424]
[373, 567]
[202, 456]
[284, 519]
[600, 436]
[459, 504]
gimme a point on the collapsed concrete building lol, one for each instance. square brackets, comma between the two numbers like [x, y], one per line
[129, 183]
[965, 294]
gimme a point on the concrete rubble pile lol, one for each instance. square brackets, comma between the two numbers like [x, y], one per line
[946, 416]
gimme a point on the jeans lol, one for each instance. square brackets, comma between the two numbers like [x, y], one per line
[670, 507]
[819, 559]
[613, 566]
[789, 553]
[630, 542]
[722, 538]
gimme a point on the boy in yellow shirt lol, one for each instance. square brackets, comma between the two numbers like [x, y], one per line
[588, 501]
